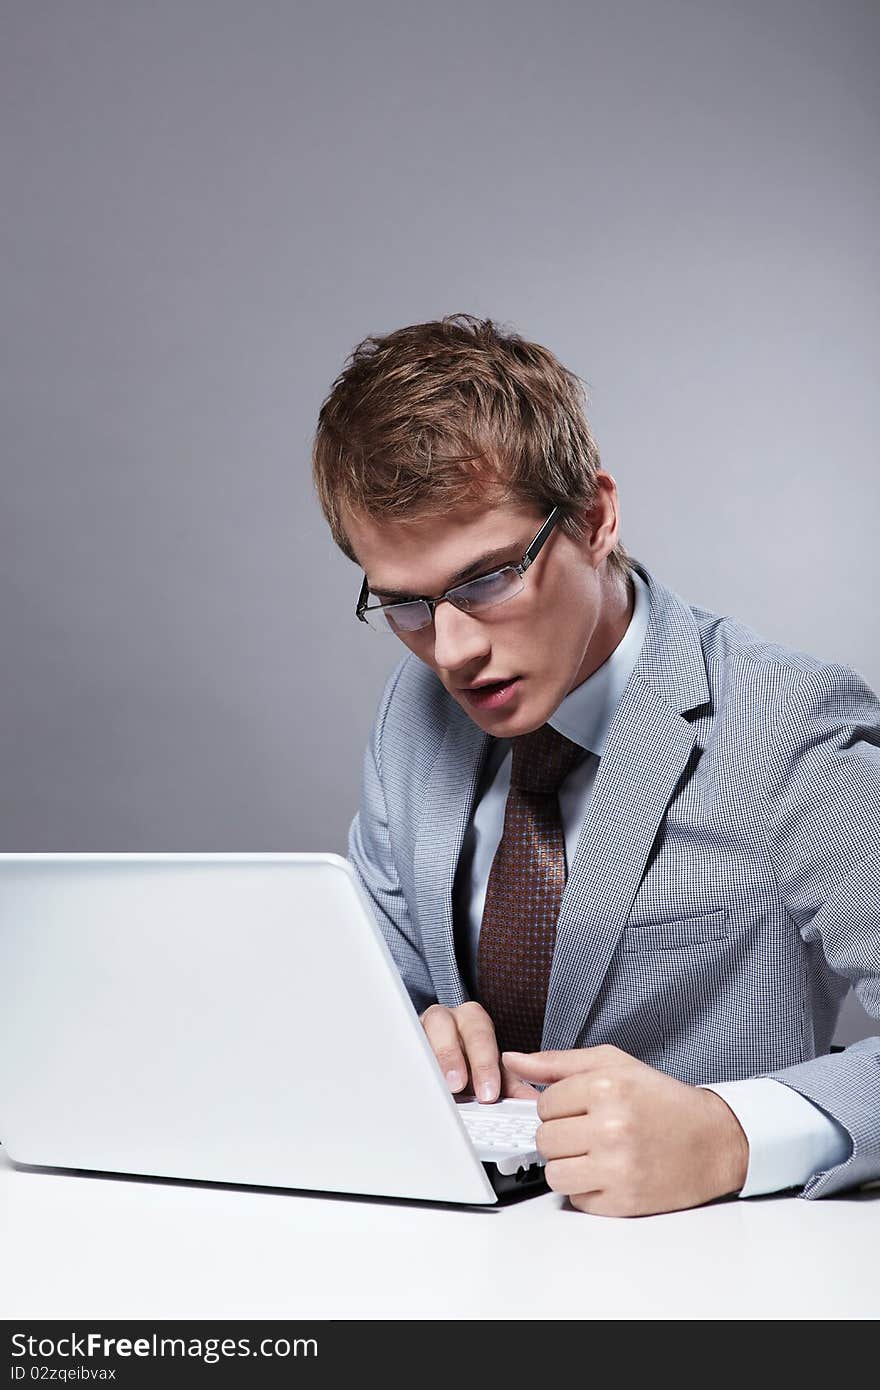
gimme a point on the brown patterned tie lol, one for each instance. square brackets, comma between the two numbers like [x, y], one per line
[524, 892]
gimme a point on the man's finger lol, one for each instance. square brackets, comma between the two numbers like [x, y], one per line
[481, 1049]
[442, 1033]
[514, 1088]
[553, 1066]
[566, 1099]
[564, 1138]
[571, 1175]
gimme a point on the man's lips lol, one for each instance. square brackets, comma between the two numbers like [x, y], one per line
[492, 695]
[483, 685]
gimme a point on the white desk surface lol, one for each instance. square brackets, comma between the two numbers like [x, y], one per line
[78, 1245]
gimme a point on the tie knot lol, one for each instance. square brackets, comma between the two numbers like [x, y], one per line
[543, 759]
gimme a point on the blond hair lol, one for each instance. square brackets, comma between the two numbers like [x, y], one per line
[438, 414]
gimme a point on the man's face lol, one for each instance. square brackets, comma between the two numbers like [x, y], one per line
[548, 637]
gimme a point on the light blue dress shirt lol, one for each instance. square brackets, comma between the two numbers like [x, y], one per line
[790, 1139]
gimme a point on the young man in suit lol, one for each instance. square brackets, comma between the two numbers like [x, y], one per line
[620, 848]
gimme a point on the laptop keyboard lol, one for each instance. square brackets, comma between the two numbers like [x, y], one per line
[500, 1132]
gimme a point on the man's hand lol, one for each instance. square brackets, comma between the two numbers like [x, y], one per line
[622, 1139]
[463, 1041]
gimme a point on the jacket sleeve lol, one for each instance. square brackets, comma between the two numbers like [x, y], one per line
[823, 828]
[371, 854]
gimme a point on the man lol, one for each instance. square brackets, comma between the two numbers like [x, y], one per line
[639, 868]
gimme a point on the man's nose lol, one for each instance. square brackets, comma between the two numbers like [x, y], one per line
[459, 639]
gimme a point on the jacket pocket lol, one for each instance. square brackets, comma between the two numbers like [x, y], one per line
[685, 931]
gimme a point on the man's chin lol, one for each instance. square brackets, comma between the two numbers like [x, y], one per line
[521, 718]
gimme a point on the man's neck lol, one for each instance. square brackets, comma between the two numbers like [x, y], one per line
[618, 606]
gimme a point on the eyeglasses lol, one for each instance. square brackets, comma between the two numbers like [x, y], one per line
[487, 591]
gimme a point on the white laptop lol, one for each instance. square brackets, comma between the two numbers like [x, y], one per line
[230, 1018]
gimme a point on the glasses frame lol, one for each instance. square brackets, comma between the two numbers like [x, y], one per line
[528, 559]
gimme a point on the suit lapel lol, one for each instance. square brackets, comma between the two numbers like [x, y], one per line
[647, 749]
[441, 832]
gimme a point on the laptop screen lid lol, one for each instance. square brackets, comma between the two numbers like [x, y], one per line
[225, 1017]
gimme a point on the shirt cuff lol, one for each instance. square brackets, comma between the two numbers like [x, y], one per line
[789, 1137]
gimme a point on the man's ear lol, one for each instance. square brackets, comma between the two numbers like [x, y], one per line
[603, 512]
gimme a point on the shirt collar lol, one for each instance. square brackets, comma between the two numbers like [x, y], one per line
[586, 713]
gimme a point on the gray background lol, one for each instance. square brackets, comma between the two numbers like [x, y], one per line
[206, 205]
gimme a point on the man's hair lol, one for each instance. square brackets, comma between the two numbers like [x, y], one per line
[439, 414]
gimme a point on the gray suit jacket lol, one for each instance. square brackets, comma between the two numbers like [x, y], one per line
[725, 892]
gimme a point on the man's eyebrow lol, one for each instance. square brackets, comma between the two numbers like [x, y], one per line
[474, 568]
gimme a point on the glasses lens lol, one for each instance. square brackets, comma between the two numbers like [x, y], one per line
[486, 591]
[396, 618]
[408, 617]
